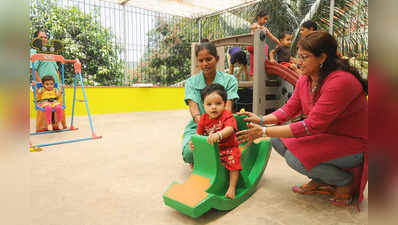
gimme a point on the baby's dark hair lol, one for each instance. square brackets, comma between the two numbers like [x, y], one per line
[205, 44]
[218, 88]
[261, 13]
[47, 78]
[310, 24]
[283, 35]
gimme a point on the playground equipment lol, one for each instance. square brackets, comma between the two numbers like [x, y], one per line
[78, 75]
[206, 187]
[272, 84]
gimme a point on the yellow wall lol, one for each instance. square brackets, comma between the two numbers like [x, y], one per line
[104, 100]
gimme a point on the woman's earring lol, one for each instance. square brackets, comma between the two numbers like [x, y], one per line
[321, 65]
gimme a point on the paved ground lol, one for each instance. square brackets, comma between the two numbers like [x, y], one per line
[121, 178]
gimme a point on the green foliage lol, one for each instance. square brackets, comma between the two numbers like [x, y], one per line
[167, 59]
[283, 16]
[350, 23]
[84, 38]
[350, 27]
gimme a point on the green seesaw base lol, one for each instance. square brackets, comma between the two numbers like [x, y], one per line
[206, 187]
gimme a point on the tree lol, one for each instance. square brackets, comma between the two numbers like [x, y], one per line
[350, 26]
[84, 38]
[167, 59]
[350, 23]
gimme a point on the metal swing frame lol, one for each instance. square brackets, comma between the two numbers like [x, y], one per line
[78, 75]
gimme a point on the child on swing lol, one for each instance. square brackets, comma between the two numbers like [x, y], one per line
[219, 125]
[48, 99]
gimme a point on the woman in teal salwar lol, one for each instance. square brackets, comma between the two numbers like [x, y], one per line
[207, 57]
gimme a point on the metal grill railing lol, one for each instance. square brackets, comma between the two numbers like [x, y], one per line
[350, 25]
[156, 46]
[133, 30]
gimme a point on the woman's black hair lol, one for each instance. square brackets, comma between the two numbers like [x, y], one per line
[218, 88]
[205, 44]
[319, 42]
[283, 34]
[261, 13]
[47, 78]
[36, 34]
[309, 24]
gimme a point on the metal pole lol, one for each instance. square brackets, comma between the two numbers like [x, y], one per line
[125, 44]
[34, 86]
[86, 101]
[63, 84]
[65, 142]
[331, 17]
[51, 131]
[74, 102]
[200, 29]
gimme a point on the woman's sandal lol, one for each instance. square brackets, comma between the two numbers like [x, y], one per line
[343, 196]
[342, 199]
[314, 188]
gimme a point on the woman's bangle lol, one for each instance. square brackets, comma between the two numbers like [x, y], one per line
[194, 116]
[264, 131]
[219, 134]
[261, 120]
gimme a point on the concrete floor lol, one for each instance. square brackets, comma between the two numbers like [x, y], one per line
[121, 178]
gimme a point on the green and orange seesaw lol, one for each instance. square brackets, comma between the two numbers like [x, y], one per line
[208, 183]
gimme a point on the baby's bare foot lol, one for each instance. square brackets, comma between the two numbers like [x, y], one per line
[230, 193]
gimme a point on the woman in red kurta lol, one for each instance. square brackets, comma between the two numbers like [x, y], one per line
[334, 136]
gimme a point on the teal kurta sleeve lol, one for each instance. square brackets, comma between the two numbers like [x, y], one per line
[190, 91]
[232, 89]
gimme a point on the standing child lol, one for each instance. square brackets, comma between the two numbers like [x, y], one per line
[262, 18]
[220, 126]
[48, 96]
[237, 55]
